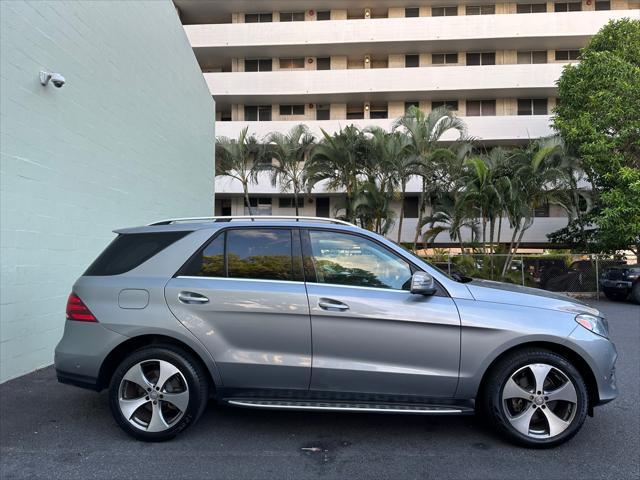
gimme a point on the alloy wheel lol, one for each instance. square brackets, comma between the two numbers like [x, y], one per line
[539, 400]
[153, 395]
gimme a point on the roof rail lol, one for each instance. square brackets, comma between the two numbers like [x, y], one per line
[169, 221]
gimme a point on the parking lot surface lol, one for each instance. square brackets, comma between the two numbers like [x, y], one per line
[48, 430]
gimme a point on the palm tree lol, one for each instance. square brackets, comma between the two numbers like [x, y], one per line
[424, 131]
[450, 215]
[340, 160]
[290, 151]
[391, 156]
[240, 159]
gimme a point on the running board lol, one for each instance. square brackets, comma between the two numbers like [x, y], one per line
[419, 409]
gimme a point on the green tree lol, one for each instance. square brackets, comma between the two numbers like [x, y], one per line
[240, 159]
[290, 150]
[424, 131]
[598, 115]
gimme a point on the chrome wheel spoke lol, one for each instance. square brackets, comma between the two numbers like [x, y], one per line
[136, 375]
[178, 400]
[566, 393]
[556, 424]
[157, 422]
[523, 421]
[129, 407]
[513, 390]
[540, 372]
[167, 371]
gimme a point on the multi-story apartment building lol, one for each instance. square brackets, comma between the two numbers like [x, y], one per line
[271, 64]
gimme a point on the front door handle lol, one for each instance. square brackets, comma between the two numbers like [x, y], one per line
[191, 298]
[330, 304]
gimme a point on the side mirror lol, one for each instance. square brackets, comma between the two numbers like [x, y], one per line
[422, 284]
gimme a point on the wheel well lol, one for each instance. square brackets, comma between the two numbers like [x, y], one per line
[581, 365]
[119, 353]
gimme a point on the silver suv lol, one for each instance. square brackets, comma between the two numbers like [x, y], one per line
[317, 314]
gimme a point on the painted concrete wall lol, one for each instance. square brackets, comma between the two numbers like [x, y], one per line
[128, 140]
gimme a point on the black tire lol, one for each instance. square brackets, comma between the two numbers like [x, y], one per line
[615, 296]
[495, 409]
[635, 293]
[192, 371]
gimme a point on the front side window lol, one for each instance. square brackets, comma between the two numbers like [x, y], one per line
[344, 259]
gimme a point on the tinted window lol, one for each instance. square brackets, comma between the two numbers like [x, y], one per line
[345, 259]
[126, 252]
[259, 253]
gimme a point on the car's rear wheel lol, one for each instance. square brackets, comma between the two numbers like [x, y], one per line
[536, 398]
[157, 392]
[615, 296]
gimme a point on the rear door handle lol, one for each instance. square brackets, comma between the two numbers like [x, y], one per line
[330, 304]
[191, 298]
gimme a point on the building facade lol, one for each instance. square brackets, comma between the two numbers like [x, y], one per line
[272, 64]
[115, 146]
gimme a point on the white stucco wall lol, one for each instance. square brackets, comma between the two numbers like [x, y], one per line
[127, 140]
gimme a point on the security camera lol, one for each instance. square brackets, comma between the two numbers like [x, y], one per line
[57, 79]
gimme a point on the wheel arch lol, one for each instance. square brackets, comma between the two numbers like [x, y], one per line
[571, 355]
[120, 352]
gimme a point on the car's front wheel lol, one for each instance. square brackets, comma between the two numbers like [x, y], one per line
[157, 392]
[536, 398]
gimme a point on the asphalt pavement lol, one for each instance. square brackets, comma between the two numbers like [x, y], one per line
[49, 430]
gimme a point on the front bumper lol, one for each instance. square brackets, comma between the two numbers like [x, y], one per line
[81, 352]
[616, 285]
[601, 355]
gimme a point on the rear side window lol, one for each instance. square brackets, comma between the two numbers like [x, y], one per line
[127, 251]
[255, 253]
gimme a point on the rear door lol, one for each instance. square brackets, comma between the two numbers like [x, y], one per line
[244, 297]
[370, 334]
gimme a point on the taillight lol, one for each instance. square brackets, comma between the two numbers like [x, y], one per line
[77, 310]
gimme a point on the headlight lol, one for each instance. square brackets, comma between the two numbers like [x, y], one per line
[597, 325]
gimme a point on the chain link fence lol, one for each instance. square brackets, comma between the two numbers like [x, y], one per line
[566, 273]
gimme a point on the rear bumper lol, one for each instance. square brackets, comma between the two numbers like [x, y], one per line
[81, 352]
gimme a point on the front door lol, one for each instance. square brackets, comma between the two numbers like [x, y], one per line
[243, 296]
[370, 334]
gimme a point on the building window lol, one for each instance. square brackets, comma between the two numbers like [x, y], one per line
[532, 106]
[323, 112]
[444, 58]
[481, 108]
[292, 16]
[258, 65]
[567, 54]
[412, 60]
[292, 109]
[450, 104]
[257, 113]
[355, 111]
[408, 105]
[412, 12]
[481, 10]
[291, 63]
[323, 63]
[535, 56]
[378, 111]
[531, 8]
[541, 211]
[411, 207]
[568, 7]
[444, 11]
[324, 15]
[603, 5]
[484, 58]
[289, 202]
[258, 18]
